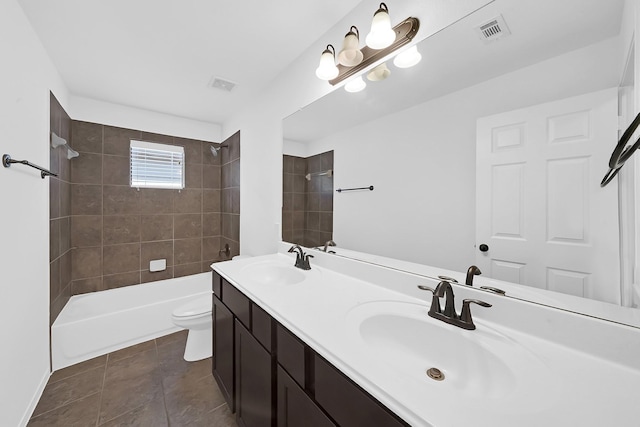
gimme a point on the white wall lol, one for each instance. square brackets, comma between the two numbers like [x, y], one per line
[261, 123]
[421, 161]
[91, 110]
[27, 75]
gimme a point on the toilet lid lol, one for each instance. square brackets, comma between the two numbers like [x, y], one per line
[195, 307]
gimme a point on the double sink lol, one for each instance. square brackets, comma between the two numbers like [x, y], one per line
[427, 371]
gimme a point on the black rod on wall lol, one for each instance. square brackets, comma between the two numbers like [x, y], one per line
[622, 152]
[340, 190]
[7, 160]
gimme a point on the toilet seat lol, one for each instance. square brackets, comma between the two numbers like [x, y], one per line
[194, 308]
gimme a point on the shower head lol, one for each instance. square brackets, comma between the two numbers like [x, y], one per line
[214, 149]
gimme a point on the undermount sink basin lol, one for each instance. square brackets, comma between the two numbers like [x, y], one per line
[273, 273]
[481, 364]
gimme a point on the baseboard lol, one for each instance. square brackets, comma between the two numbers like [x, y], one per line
[34, 401]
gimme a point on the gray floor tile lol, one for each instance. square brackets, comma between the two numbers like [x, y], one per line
[70, 389]
[80, 413]
[149, 384]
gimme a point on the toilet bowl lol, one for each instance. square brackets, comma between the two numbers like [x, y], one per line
[195, 315]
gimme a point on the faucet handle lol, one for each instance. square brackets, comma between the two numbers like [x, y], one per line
[305, 263]
[465, 315]
[435, 301]
[494, 290]
[426, 288]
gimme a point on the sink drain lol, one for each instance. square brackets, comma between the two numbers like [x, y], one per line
[435, 374]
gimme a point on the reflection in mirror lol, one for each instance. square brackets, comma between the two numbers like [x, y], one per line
[501, 143]
[307, 199]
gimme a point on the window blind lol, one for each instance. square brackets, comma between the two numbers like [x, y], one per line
[156, 165]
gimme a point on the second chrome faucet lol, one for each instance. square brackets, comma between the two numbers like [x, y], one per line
[449, 315]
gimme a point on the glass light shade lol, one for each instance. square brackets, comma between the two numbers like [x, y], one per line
[327, 69]
[381, 34]
[381, 72]
[408, 58]
[350, 55]
[355, 85]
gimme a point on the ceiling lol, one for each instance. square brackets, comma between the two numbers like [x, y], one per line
[456, 58]
[161, 55]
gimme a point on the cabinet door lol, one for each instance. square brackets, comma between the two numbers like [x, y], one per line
[347, 403]
[223, 350]
[254, 381]
[295, 408]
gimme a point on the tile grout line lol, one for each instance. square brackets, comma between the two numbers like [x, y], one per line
[104, 380]
[164, 398]
[62, 406]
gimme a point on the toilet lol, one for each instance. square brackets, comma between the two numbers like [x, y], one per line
[195, 315]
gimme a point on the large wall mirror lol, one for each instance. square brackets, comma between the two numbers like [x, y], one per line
[490, 152]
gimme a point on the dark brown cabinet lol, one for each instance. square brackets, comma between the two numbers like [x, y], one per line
[254, 381]
[223, 351]
[270, 377]
[347, 403]
[295, 407]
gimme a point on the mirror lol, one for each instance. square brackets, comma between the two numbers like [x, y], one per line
[501, 143]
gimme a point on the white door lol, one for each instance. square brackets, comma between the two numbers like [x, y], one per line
[540, 208]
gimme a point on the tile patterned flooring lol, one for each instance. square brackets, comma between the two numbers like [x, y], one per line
[148, 384]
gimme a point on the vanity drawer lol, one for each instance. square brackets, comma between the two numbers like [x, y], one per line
[291, 354]
[237, 302]
[348, 404]
[261, 326]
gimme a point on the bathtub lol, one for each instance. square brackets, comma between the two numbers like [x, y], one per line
[98, 323]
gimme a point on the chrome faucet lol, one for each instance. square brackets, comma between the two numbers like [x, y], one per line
[302, 259]
[472, 271]
[449, 315]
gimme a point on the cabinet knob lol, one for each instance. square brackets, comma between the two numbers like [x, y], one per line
[483, 248]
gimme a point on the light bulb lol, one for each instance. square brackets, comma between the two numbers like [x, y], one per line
[355, 85]
[381, 72]
[408, 58]
[350, 55]
[381, 34]
[327, 69]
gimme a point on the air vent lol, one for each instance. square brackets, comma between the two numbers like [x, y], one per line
[221, 84]
[493, 29]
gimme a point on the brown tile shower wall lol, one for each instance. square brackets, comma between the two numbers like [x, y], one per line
[307, 205]
[230, 158]
[293, 198]
[318, 223]
[59, 213]
[116, 230]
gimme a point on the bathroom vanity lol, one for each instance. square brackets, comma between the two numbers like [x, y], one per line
[350, 343]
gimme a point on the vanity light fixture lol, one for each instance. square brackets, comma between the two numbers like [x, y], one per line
[408, 58]
[327, 69]
[351, 55]
[404, 33]
[381, 34]
[355, 85]
[380, 72]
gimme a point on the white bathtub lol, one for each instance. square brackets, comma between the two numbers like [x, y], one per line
[94, 324]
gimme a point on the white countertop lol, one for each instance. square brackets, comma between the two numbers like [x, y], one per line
[566, 369]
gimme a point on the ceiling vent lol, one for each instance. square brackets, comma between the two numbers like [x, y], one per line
[494, 29]
[221, 84]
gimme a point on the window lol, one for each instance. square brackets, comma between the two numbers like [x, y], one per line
[156, 165]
